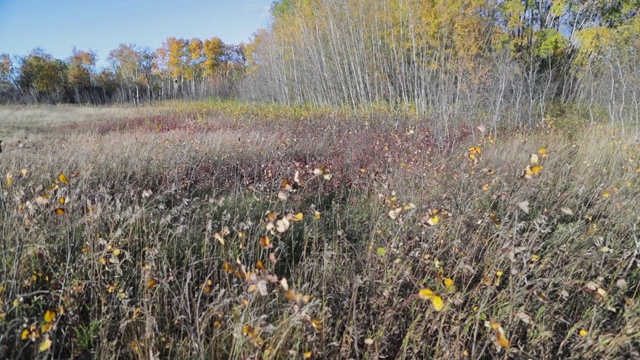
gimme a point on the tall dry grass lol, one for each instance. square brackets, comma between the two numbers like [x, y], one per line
[185, 233]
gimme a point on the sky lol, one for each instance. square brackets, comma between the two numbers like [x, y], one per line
[101, 25]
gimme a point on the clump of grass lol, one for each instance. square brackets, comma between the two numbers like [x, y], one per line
[192, 232]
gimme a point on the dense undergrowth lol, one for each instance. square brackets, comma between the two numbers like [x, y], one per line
[213, 231]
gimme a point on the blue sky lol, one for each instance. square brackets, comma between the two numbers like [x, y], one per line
[58, 25]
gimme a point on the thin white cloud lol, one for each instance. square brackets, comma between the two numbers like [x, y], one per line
[261, 11]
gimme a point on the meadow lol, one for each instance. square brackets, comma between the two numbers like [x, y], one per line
[221, 230]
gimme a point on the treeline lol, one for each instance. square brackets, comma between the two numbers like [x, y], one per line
[493, 60]
[180, 68]
[500, 61]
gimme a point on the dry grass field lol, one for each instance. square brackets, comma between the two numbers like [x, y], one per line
[213, 230]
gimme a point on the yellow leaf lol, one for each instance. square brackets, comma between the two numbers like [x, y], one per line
[271, 216]
[535, 170]
[485, 187]
[542, 151]
[9, 179]
[24, 172]
[449, 285]
[286, 185]
[307, 354]
[434, 220]
[45, 345]
[528, 173]
[316, 215]
[437, 303]
[116, 252]
[475, 150]
[248, 330]
[425, 294]
[49, 316]
[502, 340]
[296, 217]
[606, 194]
[265, 242]
[152, 283]
[206, 288]
[46, 327]
[61, 201]
[227, 268]
[60, 211]
[25, 334]
[293, 295]
[583, 332]
[487, 280]
[63, 179]
[317, 324]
